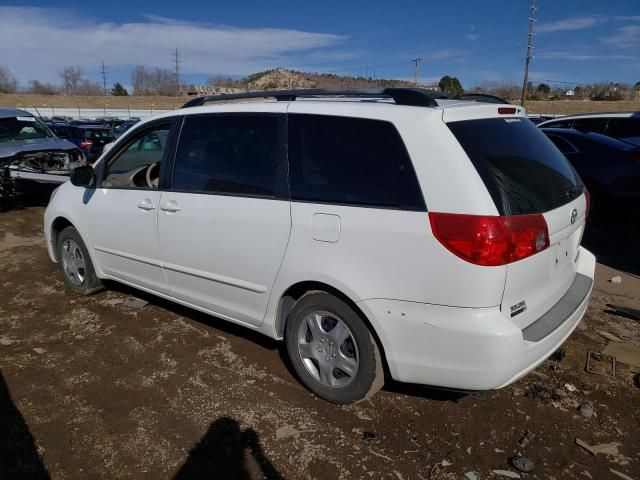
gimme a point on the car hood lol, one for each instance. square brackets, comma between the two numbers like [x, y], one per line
[11, 148]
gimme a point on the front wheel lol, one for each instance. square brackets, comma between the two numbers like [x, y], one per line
[332, 351]
[75, 264]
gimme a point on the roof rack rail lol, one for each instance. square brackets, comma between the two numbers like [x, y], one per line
[482, 97]
[417, 97]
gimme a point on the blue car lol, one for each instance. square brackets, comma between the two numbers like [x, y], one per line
[91, 139]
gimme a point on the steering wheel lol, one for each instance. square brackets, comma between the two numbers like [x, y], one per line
[152, 182]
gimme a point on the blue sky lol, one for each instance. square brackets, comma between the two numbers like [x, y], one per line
[577, 41]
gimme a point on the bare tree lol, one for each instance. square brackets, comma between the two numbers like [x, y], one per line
[71, 78]
[7, 81]
[41, 88]
[505, 89]
[222, 81]
[156, 81]
[85, 87]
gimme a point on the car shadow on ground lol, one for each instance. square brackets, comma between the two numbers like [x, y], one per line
[19, 457]
[226, 451]
[25, 194]
[615, 243]
[210, 321]
[224, 326]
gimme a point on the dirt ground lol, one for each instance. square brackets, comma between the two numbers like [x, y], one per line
[90, 388]
[22, 100]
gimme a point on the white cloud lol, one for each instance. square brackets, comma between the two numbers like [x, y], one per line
[579, 56]
[625, 37]
[35, 43]
[574, 23]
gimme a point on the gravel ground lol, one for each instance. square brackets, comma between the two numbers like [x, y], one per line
[90, 388]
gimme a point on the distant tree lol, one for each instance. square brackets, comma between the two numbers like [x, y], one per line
[637, 86]
[450, 85]
[543, 88]
[85, 87]
[71, 79]
[156, 81]
[7, 81]
[40, 88]
[222, 81]
[118, 90]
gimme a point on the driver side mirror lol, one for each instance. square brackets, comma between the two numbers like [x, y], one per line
[83, 176]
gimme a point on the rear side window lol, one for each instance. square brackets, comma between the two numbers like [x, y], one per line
[624, 128]
[559, 124]
[523, 171]
[596, 125]
[351, 161]
[232, 154]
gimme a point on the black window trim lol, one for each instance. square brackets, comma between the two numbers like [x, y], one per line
[126, 142]
[565, 140]
[422, 208]
[283, 142]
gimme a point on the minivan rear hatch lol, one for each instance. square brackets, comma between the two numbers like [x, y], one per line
[526, 174]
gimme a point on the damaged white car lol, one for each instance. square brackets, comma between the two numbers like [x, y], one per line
[30, 151]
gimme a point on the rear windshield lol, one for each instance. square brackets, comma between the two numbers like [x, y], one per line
[97, 133]
[523, 171]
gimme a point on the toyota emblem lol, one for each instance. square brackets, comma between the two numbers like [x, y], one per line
[574, 215]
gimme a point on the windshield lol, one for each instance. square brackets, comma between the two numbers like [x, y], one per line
[21, 128]
[523, 171]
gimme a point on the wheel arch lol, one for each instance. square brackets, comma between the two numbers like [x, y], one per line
[296, 291]
[59, 224]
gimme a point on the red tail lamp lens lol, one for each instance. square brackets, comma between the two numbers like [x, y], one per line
[490, 240]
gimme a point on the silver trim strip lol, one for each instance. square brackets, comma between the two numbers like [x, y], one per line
[234, 282]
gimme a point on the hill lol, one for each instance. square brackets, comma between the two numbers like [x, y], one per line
[282, 78]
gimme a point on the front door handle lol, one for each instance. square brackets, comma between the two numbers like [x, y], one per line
[146, 205]
[170, 206]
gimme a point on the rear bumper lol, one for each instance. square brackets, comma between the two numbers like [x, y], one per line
[473, 348]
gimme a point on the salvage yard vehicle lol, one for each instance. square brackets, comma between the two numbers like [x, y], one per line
[30, 151]
[377, 232]
[610, 169]
[623, 126]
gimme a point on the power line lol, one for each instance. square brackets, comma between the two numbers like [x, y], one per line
[532, 19]
[104, 78]
[177, 64]
[417, 69]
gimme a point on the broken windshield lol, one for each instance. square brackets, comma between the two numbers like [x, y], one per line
[22, 128]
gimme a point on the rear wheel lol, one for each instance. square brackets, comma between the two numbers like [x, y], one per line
[75, 264]
[332, 350]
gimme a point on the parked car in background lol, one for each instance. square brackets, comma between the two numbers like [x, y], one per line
[610, 169]
[91, 139]
[29, 151]
[536, 119]
[624, 126]
[123, 127]
[436, 240]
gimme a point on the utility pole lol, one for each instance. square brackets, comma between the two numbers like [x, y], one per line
[104, 78]
[176, 56]
[417, 70]
[527, 60]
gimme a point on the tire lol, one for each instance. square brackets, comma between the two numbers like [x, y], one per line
[75, 263]
[331, 349]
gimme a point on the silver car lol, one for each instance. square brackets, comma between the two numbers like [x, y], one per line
[30, 151]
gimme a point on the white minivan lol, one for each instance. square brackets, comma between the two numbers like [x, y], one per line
[379, 233]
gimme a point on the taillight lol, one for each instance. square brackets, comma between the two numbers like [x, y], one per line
[506, 110]
[86, 144]
[490, 240]
[587, 197]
